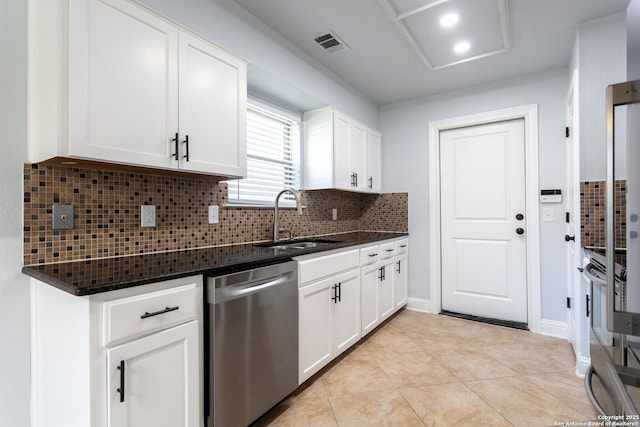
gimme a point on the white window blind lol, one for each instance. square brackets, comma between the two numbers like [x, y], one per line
[273, 159]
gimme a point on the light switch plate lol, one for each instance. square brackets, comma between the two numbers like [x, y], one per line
[62, 216]
[148, 216]
[334, 214]
[213, 214]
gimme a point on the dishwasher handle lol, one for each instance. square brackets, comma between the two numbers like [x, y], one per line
[232, 292]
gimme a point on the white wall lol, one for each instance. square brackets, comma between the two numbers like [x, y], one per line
[633, 40]
[14, 287]
[291, 75]
[601, 61]
[406, 157]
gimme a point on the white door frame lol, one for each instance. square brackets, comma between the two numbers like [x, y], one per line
[580, 339]
[532, 215]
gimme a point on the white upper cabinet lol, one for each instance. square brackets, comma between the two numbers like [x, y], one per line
[358, 156]
[342, 175]
[340, 153]
[374, 164]
[136, 89]
[212, 108]
[123, 83]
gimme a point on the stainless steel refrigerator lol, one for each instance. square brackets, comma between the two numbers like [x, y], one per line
[613, 379]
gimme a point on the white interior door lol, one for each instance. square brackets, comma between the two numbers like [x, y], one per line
[483, 232]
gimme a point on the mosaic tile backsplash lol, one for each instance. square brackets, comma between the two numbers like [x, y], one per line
[593, 214]
[107, 214]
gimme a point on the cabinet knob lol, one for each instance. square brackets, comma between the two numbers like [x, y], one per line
[520, 230]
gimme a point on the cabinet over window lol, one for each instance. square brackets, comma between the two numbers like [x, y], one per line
[340, 153]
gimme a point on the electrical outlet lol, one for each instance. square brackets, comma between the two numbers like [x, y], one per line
[334, 214]
[148, 216]
[213, 215]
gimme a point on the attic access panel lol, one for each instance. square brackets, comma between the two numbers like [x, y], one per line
[484, 24]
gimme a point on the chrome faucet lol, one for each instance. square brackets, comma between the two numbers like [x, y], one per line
[276, 222]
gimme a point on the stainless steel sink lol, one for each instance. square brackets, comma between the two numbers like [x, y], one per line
[297, 244]
[301, 245]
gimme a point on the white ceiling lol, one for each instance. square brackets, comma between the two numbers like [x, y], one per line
[384, 62]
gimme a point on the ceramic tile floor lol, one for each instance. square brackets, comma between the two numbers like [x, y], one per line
[431, 370]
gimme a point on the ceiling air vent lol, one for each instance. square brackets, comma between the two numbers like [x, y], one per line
[330, 42]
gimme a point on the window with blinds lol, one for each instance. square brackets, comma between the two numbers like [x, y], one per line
[273, 159]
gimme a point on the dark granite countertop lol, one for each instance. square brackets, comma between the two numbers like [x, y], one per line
[88, 277]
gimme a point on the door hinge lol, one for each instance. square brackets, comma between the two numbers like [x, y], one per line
[566, 132]
[568, 302]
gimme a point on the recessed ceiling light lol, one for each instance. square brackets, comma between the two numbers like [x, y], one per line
[449, 20]
[461, 47]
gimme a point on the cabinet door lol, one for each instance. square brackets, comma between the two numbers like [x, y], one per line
[369, 298]
[358, 156]
[374, 174]
[347, 311]
[213, 93]
[341, 151]
[385, 290]
[315, 327]
[123, 81]
[400, 281]
[160, 383]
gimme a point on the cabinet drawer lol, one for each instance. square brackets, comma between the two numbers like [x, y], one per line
[387, 250]
[141, 314]
[369, 255]
[324, 266]
[402, 246]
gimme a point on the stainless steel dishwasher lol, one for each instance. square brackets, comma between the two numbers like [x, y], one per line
[251, 343]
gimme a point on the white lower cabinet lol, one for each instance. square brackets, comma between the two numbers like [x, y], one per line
[377, 294]
[129, 357]
[369, 290]
[345, 295]
[384, 282]
[346, 311]
[386, 307]
[153, 381]
[329, 320]
[400, 273]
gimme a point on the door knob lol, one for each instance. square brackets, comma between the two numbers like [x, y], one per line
[568, 238]
[519, 217]
[520, 230]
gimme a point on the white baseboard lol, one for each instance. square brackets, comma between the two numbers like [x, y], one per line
[419, 304]
[554, 328]
[582, 364]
